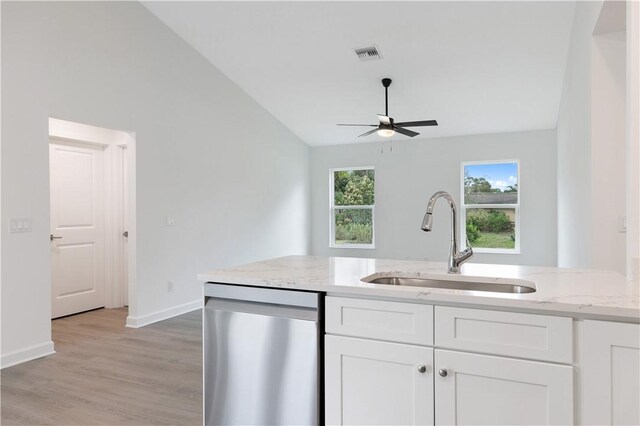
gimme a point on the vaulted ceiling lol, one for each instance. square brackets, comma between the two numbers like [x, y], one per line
[476, 67]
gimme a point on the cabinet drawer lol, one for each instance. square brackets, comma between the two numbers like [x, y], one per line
[377, 319]
[540, 337]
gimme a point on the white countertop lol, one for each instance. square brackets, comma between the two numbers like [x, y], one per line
[571, 292]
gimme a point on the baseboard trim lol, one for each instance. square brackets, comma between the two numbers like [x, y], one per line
[141, 321]
[27, 354]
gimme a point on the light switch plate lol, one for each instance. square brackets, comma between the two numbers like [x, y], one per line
[19, 225]
[170, 221]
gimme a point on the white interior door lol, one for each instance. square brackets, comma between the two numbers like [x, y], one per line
[77, 228]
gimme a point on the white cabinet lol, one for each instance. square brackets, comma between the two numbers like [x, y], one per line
[369, 382]
[611, 373]
[502, 368]
[477, 389]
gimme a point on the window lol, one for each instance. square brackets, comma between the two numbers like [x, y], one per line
[491, 206]
[352, 207]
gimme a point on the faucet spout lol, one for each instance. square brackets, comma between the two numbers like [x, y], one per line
[427, 222]
[456, 258]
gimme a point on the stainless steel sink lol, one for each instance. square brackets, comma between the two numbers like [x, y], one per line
[451, 284]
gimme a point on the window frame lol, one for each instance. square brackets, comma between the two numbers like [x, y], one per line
[333, 207]
[464, 207]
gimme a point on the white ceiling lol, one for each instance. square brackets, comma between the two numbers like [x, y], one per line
[476, 67]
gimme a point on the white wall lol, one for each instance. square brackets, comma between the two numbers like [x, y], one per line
[407, 176]
[608, 151]
[235, 179]
[574, 146]
[598, 140]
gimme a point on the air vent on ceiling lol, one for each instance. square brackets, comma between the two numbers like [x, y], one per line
[368, 53]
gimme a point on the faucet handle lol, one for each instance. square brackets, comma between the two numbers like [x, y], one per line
[468, 245]
[464, 255]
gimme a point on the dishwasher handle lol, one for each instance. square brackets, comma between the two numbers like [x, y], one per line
[263, 309]
[301, 299]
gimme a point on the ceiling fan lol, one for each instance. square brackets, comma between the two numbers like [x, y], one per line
[387, 127]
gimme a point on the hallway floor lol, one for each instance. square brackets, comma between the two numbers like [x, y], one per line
[106, 374]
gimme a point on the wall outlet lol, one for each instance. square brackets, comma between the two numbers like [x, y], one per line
[169, 286]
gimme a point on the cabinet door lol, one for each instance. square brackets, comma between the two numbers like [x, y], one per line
[611, 373]
[370, 382]
[482, 389]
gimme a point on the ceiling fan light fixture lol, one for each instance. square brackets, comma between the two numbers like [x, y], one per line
[386, 133]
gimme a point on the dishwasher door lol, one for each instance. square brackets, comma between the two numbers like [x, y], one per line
[261, 360]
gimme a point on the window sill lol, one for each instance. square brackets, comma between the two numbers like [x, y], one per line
[495, 251]
[352, 246]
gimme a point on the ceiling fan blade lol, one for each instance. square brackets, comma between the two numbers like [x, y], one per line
[384, 119]
[368, 133]
[358, 125]
[417, 123]
[405, 132]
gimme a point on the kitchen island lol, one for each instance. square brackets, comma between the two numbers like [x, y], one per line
[574, 292]
[567, 353]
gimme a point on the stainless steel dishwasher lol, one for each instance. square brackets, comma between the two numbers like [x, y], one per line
[262, 356]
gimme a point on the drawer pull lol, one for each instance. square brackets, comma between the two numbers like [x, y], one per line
[443, 372]
[422, 369]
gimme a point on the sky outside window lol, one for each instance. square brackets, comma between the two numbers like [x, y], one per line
[499, 175]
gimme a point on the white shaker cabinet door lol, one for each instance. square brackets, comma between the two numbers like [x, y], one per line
[611, 373]
[377, 383]
[475, 389]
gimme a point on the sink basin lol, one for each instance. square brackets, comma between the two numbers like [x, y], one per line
[451, 284]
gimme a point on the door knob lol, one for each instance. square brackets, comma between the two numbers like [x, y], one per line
[422, 368]
[52, 237]
[125, 234]
[443, 372]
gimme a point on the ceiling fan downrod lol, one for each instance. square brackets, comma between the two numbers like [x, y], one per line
[386, 82]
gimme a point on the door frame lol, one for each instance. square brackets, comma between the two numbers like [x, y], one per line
[113, 143]
[122, 278]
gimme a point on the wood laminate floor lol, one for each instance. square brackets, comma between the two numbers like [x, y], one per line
[106, 374]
